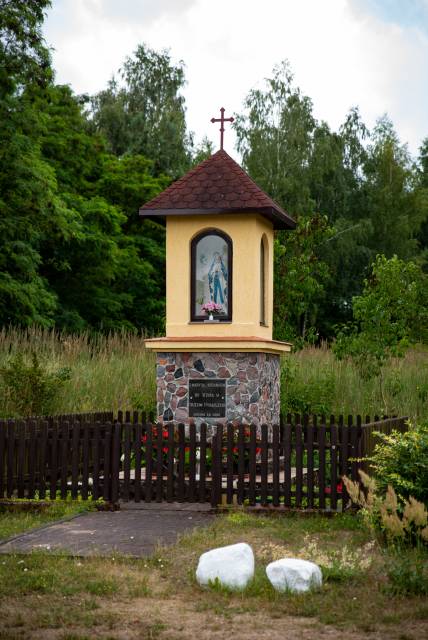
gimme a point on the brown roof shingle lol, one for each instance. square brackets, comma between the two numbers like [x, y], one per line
[217, 185]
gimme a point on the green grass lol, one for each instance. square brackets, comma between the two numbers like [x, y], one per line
[13, 523]
[60, 575]
[116, 372]
[107, 597]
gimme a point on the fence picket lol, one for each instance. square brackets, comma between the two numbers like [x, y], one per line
[333, 465]
[241, 464]
[64, 460]
[202, 462]
[85, 462]
[310, 463]
[96, 461]
[137, 458]
[275, 465]
[3, 457]
[192, 462]
[107, 462]
[53, 461]
[10, 458]
[299, 462]
[42, 459]
[216, 481]
[115, 463]
[252, 465]
[127, 432]
[229, 462]
[287, 464]
[149, 462]
[75, 460]
[170, 457]
[264, 466]
[181, 462]
[21, 459]
[159, 462]
[321, 472]
[354, 448]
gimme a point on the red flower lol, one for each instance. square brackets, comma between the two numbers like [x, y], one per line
[339, 488]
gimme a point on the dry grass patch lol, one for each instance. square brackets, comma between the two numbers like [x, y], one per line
[13, 523]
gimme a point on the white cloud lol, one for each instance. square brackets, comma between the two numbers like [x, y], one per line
[341, 54]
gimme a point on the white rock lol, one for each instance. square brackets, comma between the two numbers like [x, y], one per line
[293, 574]
[233, 566]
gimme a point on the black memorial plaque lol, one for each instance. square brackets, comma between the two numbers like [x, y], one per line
[207, 398]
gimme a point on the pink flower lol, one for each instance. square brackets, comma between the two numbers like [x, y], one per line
[211, 307]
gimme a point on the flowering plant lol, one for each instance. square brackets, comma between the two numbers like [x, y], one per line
[212, 307]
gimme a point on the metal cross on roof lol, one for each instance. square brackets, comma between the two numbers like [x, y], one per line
[222, 120]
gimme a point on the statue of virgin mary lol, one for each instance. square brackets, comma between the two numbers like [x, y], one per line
[217, 280]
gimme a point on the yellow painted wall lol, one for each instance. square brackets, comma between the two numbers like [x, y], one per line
[246, 231]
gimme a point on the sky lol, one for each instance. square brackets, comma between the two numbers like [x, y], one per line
[370, 53]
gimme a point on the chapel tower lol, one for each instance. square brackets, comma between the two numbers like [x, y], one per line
[218, 361]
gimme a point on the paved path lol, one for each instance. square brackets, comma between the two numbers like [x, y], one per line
[132, 531]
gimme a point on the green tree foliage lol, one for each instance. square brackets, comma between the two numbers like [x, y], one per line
[275, 139]
[364, 187]
[391, 313]
[423, 194]
[75, 170]
[109, 274]
[393, 200]
[143, 112]
[29, 206]
[299, 279]
[401, 461]
[277, 136]
[23, 54]
[73, 251]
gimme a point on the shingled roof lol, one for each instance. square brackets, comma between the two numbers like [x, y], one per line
[217, 185]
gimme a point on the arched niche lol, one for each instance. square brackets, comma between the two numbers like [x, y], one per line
[211, 275]
[264, 279]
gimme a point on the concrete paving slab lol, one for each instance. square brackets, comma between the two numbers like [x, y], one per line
[134, 532]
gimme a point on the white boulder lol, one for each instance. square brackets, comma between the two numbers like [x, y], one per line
[233, 566]
[293, 574]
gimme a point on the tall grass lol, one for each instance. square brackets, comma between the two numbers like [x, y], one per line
[107, 372]
[314, 381]
[116, 371]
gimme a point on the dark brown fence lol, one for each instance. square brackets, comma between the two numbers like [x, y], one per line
[298, 463]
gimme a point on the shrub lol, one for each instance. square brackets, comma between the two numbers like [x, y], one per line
[311, 394]
[28, 388]
[400, 523]
[401, 460]
[408, 574]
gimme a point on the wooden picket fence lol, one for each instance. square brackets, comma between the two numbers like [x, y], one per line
[296, 464]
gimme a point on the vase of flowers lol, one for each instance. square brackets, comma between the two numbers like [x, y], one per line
[210, 308]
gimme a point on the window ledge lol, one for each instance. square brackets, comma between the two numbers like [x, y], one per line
[210, 322]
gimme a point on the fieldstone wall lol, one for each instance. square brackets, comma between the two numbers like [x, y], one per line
[252, 385]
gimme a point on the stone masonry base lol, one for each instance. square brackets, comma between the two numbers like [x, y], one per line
[252, 385]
